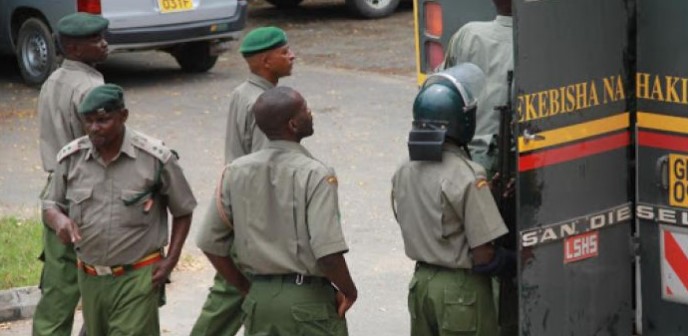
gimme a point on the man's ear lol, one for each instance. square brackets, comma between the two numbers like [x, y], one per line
[265, 60]
[292, 126]
[125, 114]
[70, 48]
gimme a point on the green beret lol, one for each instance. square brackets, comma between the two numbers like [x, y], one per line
[81, 25]
[108, 97]
[262, 39]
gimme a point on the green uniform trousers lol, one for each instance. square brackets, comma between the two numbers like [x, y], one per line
[445, 301]
[126, 305]
[221, 314]
[54, 314]
[278, 306]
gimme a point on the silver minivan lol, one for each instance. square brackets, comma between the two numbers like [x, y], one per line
[195, 32]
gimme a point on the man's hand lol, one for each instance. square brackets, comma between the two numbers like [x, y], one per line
[162, 270]
[508, 191]
[335, 269]
[343, 303]
[67, 230]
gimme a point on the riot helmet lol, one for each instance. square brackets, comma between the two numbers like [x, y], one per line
[445, 107]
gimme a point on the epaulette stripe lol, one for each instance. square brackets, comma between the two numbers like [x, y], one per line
[151, 146]
[70, 149]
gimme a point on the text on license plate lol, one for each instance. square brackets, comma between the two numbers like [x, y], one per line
[167, 6]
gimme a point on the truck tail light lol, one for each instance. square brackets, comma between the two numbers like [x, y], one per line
[88, 6]
[434, 55]
[433, 19]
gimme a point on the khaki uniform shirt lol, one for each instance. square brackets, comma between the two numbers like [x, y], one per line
[57, 107]
[489, 45]
[243, 135]
[284, 209]
[445, 208]
[93, 194]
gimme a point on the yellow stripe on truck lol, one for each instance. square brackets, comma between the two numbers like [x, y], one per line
[575, 132]
[663, 122]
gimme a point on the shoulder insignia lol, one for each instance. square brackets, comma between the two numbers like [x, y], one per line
[73, 147]
[151, 146]
[332, 180]
[481, 182]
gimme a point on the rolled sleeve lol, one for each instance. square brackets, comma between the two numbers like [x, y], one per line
[483, 221]
[180, 198]
[55, 196]
[324, 225]
[216, 235]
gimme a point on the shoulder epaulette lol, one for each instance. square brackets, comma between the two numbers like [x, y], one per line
[73, 147]
[151, 146]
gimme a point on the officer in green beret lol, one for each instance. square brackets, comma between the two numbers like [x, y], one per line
[81, 39]
[448, 217]
[269, 58]
[110, 196]
[277, 208]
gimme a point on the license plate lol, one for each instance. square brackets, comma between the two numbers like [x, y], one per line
[170, 6]
[678, 180]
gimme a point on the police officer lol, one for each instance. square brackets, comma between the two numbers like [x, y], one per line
[278, 209]
[269, 58]
[110, 197]
[81, 39]
[489, 45]
[447, 214]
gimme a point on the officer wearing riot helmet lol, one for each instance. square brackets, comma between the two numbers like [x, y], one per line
[448, 217]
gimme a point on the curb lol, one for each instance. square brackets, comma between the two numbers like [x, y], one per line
[18, 303]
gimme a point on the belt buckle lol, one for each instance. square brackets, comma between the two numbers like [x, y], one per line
[299, 279]
[102, 270]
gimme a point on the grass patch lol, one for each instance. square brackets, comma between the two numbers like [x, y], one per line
[20, 244]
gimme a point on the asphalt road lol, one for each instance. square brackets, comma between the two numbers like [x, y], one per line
[357, 76]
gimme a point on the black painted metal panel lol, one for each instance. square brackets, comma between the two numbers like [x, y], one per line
[662, 51]
[559, 44]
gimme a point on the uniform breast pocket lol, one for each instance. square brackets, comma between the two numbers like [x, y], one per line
[137, 208]
[77, 199]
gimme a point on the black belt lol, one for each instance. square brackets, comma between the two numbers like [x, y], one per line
[295, 278]
[440, 268]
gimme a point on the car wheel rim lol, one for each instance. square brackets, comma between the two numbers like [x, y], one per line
[378, 4]
[35, 54]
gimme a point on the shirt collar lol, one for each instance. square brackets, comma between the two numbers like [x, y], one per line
[76, 65]
[506, 21]
[127, 147]
[260, 81]
[289, 146]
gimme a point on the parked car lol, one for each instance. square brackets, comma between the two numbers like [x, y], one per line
[369, 9]
[195, 32]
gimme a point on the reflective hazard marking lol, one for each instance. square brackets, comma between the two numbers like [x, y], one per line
[674, 246]
[581, 247]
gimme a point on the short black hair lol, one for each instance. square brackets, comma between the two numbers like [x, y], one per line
[274, 108]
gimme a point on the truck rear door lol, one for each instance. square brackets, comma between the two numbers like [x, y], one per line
[662, 173]
[574, 186]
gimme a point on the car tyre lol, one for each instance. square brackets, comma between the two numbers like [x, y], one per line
[35, 51]
[281, 4]
[371, 9]
[195, 57]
